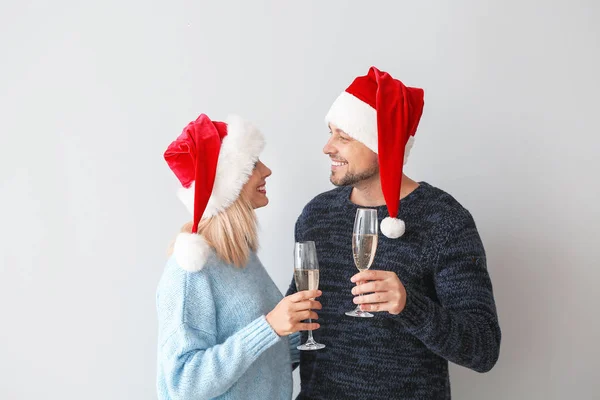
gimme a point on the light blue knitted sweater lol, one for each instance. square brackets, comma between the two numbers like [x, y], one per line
[214, 340]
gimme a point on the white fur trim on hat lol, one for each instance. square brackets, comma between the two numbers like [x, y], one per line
[392, 228]
[359, 120]
[239, 152]
[191, 251]
[356, 118]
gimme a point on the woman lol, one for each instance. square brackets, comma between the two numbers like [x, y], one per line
[224, 330]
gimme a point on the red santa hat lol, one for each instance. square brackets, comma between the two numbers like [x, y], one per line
[383, 114]
[212, 160]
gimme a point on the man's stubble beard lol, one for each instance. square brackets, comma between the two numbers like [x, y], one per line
[353, 179]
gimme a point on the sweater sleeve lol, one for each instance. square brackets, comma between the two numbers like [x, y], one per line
[195, 366]
[463, 326]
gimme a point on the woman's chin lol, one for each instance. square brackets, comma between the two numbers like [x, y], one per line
[261, 202]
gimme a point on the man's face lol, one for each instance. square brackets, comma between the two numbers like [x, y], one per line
[351, 161]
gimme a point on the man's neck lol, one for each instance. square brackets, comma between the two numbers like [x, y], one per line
[369, 194]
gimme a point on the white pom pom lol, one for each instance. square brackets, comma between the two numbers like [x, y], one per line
[392, 227]
[191, 251]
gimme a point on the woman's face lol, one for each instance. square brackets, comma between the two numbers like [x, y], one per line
[255, 189]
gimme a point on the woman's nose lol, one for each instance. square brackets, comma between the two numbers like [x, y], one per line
[266, 171]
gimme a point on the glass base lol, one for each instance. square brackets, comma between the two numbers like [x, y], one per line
[311, 345]
[359, 313]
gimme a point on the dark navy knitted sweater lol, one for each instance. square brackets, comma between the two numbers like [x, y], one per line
[450, 313]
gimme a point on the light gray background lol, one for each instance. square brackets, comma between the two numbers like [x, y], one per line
[91, 93]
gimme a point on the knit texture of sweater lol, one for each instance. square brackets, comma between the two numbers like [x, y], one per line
[450, 313]
[214, 341]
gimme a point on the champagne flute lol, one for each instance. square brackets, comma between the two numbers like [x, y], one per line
[364, 246]
[306, 275]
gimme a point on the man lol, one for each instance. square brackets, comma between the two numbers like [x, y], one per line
[428, 288]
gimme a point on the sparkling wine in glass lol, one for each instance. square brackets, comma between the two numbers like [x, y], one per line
[364, 246]
[306, 275]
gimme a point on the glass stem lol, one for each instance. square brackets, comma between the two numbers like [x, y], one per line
[310, 335]
[358, 305]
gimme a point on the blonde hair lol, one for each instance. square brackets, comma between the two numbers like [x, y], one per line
[232, 233]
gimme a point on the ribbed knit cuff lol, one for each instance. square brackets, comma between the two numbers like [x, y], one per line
[418, 311]
[258, 336]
